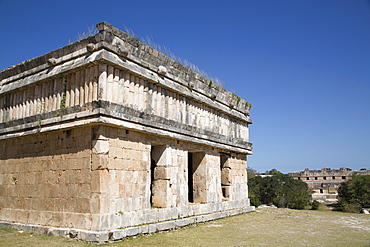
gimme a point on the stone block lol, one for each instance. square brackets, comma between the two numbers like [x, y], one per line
[223, 214]
[143, 177]
[184, 222]
[58, 232]
[214, 216]
[58, 219]
[167, 225]
[195, 209]
[101, 146]
[25, 228]
[96, 222]
[144, 229]
[126, 220]
[204, 208]
[39, 230]
[162, 172]
[116, 164]
[162, 214]
[150, 215]
[17, 226]
[172, 213]
[115, 221]
[160, 191]
[183, 211]
[115, 152]
[33, 216]
[132, 231]
[5, 225]
[152, 228]
[75, 220]
[97, 237]
[136, 218]
[45, 218]
[199, 219]
[119, 234]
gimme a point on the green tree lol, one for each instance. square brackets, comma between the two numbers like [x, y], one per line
[354, 194]
[254, 190]
[280, 189]
[272, 172]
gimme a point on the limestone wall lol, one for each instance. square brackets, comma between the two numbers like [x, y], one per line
[108, 133]
[46, 179]
[117, 193]
[56, 179]
[129, 196]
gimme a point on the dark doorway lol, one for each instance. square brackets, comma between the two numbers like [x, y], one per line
[190, 177]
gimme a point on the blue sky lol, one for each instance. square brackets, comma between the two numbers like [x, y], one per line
[304, 65]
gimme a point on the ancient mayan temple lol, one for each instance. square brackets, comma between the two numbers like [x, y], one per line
[108, 137]
[325, 182]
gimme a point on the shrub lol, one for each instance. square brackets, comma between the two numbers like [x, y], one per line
[255, 202]
[350, 207]
[355, 193]
[315, 205]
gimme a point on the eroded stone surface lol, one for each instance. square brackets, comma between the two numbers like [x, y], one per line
[116, 139]
[325, 182]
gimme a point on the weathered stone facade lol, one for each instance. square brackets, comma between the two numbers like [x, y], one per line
[107, 138]
[325, 182]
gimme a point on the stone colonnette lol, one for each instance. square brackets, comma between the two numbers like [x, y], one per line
[108, 137]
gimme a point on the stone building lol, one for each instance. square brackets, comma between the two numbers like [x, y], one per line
[325, 182]
[108, 137]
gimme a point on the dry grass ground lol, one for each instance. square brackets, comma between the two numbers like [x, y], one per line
[265, 227]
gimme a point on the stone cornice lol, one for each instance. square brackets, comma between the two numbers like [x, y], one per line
[123, 48]
[103, 54]
[103, 112]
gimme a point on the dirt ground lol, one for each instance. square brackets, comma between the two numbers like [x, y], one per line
[264, 227]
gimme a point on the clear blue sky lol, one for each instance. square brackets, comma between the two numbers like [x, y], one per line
[303, 64]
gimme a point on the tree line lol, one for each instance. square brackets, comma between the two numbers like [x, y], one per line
[282, 190]
[279, 189]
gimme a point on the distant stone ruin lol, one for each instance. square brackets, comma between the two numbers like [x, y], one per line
[325, 182]
[108, 138]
